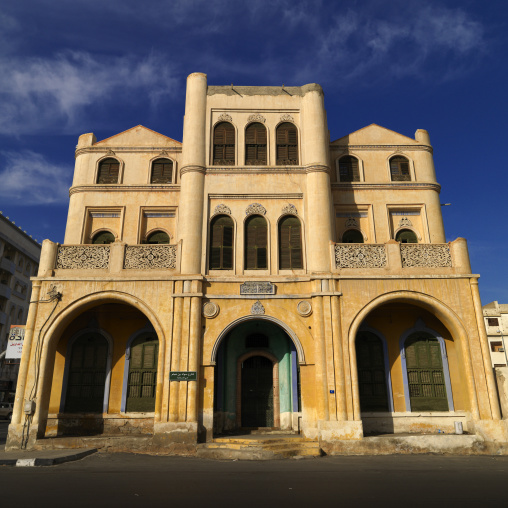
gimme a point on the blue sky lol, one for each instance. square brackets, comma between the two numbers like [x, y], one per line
[70, 67]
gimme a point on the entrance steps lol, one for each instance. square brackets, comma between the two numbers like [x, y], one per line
[265, 446]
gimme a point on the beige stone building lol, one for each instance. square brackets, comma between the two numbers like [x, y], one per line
[255, 275]
[19, 260]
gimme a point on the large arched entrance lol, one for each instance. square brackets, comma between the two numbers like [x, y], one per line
[257, 379]
[104, 373]
[409, 371]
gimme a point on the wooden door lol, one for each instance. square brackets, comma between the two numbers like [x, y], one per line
[257, 392]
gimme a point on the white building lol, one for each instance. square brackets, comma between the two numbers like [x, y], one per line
[19, 260]
[496, 323]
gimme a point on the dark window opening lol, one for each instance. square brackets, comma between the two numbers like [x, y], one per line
[493, 321]
[162, 171]
[348, 169]
[352, 236]
[256, 232]
[224, 145]
[109, 170]
[257, 340]
[399, 169]
[221, 243]
[104, 237]
[158, 237]
[406, 236]
[287, 145]
[290, 244]
[255, 145]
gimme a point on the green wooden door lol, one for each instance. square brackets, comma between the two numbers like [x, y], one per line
[142, 380]
[87, 375]
[371, 373]
[257, 392]
[427, 389]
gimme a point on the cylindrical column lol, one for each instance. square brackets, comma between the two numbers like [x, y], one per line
[321, 381]
[460, 255]
[484, 342]
[26, 354]
[339, 361]
[315, 141]
[174, 386]
[435, 218]
[194, 336]
[190, 215]
[425, 171]
[48, 258]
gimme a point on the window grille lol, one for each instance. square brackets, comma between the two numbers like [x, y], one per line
[224, 144]
[348, 169]
[162, 171]
[109, 170]
[399, 169]
[255, 145]
[287, 145]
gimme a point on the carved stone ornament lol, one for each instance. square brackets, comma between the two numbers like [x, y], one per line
[255, 208]
[257, 288]
[223, 209]
[291, 209]
[287, 118]
[351, 222]
[164, 154]
[360, 256]
[405, 222]
[304, 308]
[256, 117]
[83, 257]
[425, 256]
[210, 310]
[145, 257]
[257, 309]
[225, 118]
[110, 152]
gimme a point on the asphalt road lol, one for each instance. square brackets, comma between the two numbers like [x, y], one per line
[138, 480]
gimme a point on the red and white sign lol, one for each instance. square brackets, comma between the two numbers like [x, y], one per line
[15, 342]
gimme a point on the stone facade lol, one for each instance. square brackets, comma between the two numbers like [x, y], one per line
[19, 260]
[259, 312]
[495, 316]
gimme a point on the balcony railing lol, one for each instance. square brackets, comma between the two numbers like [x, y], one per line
[113, 257]
[7, 265]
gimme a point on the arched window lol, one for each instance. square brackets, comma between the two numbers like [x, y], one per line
[255, 145]
[158, 237]
[162, 171]
[109, 170]
[425, 375]
[290, 243]
[87, 375]
[103, 237]
[406, 236]
[371, 373]
[348, 169]
[224, 144]
[399, 169]
[221, 243]
[352, 236]
[256, 232]
[287, 145]
[20, 317]
[142, 380]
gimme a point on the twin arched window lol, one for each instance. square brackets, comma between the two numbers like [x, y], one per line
[162, 171]
[109, 169]
[256, 243]
[399, 169]
[349, 169]
[256, 152]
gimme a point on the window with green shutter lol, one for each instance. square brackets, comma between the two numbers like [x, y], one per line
[142, 380]
[287, 145]
[406, 236]
[109, 170]
[221, 243]
[162, 171]
[352, 236]
[224, 144]
[158, 237]
[348, 169]
[255, 145]
[256, 232]
[87, 375]
[371, 373]
[103, 237]
[399, 169]
[425, 375]
[290, 243]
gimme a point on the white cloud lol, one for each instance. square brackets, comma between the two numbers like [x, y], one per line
[38, 93]
[29, 179]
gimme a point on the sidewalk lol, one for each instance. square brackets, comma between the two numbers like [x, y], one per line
[27, 458]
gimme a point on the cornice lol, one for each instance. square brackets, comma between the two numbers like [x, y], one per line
[385, 148]
[254, 169]
[256, 196]
[388, 186]
[124, 188]
[127, 149]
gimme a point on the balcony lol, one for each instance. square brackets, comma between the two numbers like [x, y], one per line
[3, 318]
[405, 258]
[7, 265]
[117, 258]
[5, 291]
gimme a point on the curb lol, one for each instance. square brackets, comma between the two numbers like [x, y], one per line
[38, 462]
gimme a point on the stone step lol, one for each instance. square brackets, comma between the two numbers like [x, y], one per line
[258, 441]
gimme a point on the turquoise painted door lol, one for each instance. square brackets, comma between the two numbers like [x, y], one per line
[257, 392]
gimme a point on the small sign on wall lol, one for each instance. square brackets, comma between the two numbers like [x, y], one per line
[15, 342]
[183, 376]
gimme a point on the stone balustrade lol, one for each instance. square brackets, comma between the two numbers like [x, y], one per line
[113, 258]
